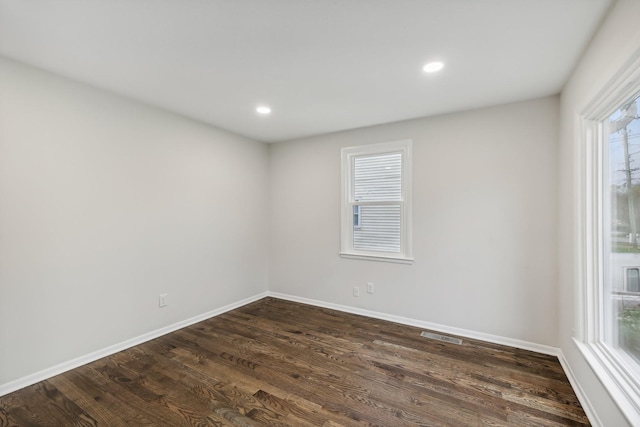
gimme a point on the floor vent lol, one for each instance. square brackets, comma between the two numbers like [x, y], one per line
[439, 337]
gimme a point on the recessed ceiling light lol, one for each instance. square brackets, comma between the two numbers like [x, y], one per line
[263, 109]
[432, 67]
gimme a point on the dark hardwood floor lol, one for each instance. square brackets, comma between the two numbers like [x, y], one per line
[279, 363]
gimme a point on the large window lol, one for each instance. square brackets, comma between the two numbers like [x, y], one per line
[609, 327]
[376, 201]
[621, 161]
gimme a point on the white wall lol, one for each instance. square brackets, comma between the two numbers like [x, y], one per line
[104, 204]
[614, 44]
[485, 209]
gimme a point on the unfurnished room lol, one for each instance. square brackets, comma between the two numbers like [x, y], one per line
[320, 213]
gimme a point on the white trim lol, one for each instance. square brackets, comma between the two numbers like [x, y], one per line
[591, 413]
[609, 376]
[496, 339]
[112, 349]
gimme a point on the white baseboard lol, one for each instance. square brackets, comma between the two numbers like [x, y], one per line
[112, 349]
[577, 388]
[525, 345]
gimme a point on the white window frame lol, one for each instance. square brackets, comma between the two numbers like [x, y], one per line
[346, 224]
[615, 369]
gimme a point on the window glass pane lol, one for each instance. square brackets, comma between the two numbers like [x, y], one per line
[622, 310]
[633, 280]
[378, 177]
[379, 229]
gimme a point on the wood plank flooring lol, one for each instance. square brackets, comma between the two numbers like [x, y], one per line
[279, 363]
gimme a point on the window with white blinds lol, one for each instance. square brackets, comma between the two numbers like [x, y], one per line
[377, 190]
[376, 217]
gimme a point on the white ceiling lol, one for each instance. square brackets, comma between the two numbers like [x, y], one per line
[322, 65]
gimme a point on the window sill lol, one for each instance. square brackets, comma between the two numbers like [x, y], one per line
[382, 258]
[622, 393]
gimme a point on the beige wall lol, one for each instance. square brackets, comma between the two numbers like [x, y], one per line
[106, 203]
[484, 213]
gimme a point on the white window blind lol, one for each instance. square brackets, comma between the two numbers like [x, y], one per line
[376, 209]
[377, 182]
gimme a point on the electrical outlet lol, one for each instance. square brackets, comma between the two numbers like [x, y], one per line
[162, 300]
[356, 291]
[370, 288]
